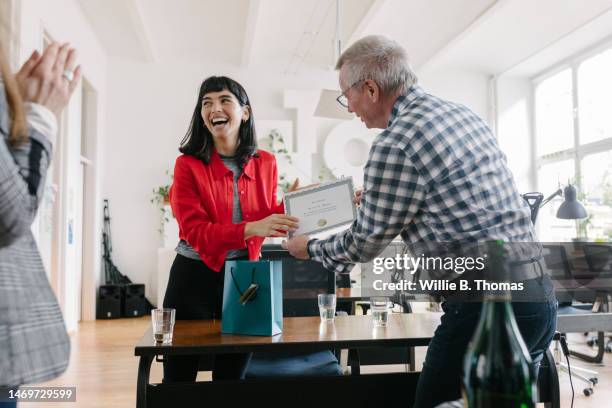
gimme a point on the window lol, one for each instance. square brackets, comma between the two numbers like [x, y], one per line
[554, 113]
[573, 130]
[597, 193]
[594, 90]
[550, 177]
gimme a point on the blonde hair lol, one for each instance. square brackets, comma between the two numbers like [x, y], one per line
[18, 133]
[380, 59]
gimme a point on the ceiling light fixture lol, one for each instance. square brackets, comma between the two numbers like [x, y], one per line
[328, 107]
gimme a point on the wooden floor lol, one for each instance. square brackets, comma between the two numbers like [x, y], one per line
[103, 368]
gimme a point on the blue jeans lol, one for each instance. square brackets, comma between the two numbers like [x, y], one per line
[440, 379]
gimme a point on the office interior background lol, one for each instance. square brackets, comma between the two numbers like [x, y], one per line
[539, 72]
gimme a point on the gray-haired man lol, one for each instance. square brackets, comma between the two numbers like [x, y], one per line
[435, 174]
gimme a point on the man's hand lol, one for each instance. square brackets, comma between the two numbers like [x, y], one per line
[357, 198]
[297, 246]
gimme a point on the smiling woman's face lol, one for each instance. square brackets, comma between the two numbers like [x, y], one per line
[222, 115]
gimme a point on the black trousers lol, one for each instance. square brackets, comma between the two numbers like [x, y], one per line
[196, 292]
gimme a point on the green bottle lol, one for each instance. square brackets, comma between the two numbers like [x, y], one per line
[496, 370]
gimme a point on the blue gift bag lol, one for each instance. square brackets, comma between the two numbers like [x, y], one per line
[253, 298]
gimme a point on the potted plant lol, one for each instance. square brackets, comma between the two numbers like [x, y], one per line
[161, 198]
[583, 228]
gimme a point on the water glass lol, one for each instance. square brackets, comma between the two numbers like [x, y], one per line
[327, 307]
[163, 324]
[380, 310]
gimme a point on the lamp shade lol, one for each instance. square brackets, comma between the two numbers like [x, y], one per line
[570, 208]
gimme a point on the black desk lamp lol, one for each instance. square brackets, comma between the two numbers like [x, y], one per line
[570, 209]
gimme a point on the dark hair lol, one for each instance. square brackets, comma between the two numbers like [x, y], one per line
[198, 140]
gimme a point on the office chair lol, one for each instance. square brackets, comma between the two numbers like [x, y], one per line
[558, 264]
[598, 258]
[548, 382]
[302, 282]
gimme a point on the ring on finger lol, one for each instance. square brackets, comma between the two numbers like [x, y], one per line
[69, 75]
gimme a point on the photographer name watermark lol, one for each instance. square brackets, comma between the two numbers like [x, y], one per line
[444, 285]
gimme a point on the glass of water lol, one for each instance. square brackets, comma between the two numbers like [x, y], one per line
[327, 307]
[163, 325]
[380, 310]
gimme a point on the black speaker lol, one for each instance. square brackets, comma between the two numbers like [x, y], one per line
[134, 300]
[110, 299]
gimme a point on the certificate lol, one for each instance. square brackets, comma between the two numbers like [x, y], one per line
[323, 207]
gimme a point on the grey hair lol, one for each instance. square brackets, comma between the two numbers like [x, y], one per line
[380, 59]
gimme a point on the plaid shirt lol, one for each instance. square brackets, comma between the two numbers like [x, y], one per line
[435, 174]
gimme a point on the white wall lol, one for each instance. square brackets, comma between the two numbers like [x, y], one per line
[149, 109]
[64, 21]
[466, 87]
[514, 107]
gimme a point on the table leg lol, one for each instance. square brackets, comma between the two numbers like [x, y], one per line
[354, 359]
[144, 369]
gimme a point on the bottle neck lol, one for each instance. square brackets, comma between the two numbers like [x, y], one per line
[497, 311]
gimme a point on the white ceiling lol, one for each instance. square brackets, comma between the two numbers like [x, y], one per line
[425, 26]
[515, 30]
[297, 35]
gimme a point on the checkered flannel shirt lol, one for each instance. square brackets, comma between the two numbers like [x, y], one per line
[435, 174]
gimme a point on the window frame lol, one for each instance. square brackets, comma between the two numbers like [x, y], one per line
[579, 151]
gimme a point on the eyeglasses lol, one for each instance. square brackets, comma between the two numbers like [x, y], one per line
[342, 100]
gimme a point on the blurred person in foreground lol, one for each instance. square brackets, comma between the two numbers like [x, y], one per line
[34, 345]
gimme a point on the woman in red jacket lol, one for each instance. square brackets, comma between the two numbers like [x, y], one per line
[224, 199]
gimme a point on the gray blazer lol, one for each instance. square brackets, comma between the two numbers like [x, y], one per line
[34, 345]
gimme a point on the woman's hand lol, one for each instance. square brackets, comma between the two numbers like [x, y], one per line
[50, 79]
[275, 225]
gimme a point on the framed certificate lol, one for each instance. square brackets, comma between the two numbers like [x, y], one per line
[323, 207]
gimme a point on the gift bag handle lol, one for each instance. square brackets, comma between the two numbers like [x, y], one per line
[250, 293]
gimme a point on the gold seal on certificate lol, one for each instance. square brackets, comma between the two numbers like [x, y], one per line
[323, 207]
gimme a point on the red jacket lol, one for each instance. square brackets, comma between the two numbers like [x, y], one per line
[201, 198]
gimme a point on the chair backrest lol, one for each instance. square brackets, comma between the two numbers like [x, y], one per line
[557, 262]
[303, 280]
[598, 257]
[548, 382]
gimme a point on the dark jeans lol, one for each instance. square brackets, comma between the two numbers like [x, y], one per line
[196, 292]
[12, 404]
[440, 379]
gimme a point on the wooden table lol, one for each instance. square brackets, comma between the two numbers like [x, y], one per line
[299, 334]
